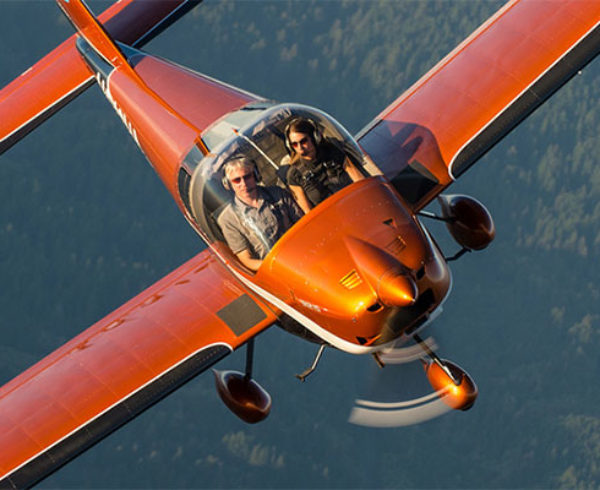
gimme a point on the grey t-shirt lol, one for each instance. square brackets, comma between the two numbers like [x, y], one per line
[257, 229]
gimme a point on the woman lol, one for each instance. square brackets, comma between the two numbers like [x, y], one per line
[318, 168]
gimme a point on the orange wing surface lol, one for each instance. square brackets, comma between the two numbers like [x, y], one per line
[62, 75]
[484, 88]
[120, 366]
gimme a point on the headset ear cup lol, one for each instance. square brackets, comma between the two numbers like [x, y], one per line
[317, 137]
[225, 182]
[286, 138]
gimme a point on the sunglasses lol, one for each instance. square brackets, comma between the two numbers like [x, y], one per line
[302, 142]
[246, 177]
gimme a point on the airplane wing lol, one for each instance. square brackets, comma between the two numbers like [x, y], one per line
[165, 336]
[471, 99]
[62, 75]
[123, 364]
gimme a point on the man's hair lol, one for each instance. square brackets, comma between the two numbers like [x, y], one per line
[238, 162]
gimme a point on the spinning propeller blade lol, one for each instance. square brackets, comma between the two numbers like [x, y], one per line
[399, 394]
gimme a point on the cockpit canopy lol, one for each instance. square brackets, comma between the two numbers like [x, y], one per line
[256, 131]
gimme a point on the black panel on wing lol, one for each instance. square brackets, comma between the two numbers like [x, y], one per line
[241, 314]
[395, 147]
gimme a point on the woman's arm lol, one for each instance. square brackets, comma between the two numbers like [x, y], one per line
[352, 171]
[370, 166]
[301, 198]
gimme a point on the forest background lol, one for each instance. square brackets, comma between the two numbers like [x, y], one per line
[85, 225]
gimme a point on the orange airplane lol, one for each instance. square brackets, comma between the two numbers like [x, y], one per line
[358, 271]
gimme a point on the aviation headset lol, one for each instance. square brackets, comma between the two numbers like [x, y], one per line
[312, 131]
[248, 162]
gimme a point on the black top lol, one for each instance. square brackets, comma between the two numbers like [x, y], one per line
[322, 177]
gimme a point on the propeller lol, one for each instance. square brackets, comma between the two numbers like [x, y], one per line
[413, 386]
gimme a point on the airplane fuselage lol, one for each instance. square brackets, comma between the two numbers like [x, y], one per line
[357, 272]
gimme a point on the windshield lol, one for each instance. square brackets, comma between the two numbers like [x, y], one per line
[262, 141]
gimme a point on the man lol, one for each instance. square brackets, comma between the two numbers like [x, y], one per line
[318, 168]
[257, 217]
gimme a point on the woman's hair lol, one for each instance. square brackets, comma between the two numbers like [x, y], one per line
[303, 126]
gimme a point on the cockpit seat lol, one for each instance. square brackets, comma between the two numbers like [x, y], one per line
[284, 166]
